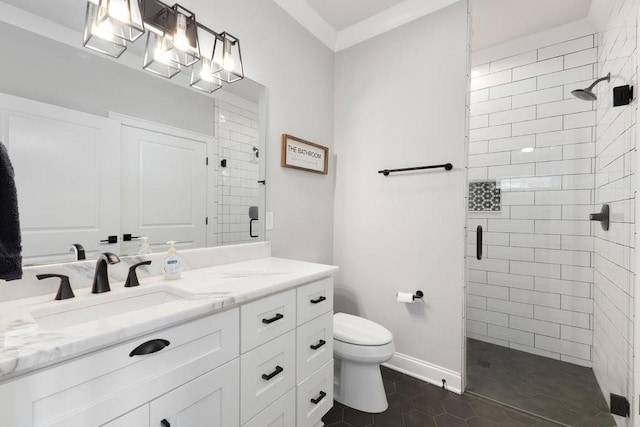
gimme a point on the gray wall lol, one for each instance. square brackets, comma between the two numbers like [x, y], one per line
[400, 102]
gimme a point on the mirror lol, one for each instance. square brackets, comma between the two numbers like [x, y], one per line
[106, 153]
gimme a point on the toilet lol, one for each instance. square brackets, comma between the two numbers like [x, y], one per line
[359, 347]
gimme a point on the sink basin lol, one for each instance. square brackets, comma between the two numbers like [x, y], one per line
[92, 307]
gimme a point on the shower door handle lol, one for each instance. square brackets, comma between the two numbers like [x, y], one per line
[479, 242]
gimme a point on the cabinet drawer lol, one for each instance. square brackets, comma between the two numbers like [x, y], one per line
[266, 373]
[110, 382]
[314, 299]
[314, 345]
[266, 319]
[315, 396]
[211, 400]
[281, 413]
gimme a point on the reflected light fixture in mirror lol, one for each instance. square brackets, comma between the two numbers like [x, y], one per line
[123, 16]
[172, 42]
[100, 36]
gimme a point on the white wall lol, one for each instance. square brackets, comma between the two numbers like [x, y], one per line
[616, 184]
[400, 102]
[532, 289]
[297, 70]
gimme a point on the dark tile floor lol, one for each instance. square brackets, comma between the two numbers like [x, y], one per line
[414, 403]
[550, 388]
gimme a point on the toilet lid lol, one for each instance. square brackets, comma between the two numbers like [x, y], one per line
[356, 330]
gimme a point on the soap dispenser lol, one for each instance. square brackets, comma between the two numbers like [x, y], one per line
[172, 265]
[145, 249]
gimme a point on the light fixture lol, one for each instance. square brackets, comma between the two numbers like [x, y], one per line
[172, 40]
[527, 149]
[159, 55]
[101, 36]
[226, 56]
[202, 78]
[123, 16]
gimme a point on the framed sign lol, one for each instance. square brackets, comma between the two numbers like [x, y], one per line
[300, 154]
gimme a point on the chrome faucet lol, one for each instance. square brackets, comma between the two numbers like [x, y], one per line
[100, 278]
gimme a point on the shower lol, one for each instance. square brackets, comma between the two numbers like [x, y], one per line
[587, 94]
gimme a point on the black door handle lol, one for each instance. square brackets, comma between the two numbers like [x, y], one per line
[253, 236]
[479, 242]
[149, 347]
[165, 423]
[128, 237]
[317, 346]
[319, 398]
[110, 240]
[278, 316]
[318, 300]
[267, 377]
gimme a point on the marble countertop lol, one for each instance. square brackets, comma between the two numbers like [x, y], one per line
[26, 345]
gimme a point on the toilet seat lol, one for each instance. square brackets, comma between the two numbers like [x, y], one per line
[358, 331]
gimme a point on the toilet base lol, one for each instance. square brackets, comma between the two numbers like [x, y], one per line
[359, 386]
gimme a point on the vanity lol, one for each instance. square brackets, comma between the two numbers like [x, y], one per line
[242, 343]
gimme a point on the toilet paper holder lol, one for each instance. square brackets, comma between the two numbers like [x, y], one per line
[418, 295]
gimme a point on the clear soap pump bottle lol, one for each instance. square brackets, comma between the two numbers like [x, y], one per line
[172, 265]
[145, 249]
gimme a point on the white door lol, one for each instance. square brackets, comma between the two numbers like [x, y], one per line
[164, 186]
[67, 175]
[212, 400]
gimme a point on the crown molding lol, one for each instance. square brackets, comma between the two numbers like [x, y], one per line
[373, 26]
[307, 16]
[387, 20]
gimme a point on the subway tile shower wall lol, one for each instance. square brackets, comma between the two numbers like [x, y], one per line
[237, 183]
[532, 291]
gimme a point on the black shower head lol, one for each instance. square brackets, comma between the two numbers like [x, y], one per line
[587, 94]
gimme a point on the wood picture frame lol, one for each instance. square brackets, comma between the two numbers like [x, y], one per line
[304, 155]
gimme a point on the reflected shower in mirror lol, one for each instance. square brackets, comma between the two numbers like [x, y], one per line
[106, 154]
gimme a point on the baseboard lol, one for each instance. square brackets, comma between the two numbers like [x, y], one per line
[426, 371]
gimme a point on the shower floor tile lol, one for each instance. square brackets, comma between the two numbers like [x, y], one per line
[553, 389]
[415, 403]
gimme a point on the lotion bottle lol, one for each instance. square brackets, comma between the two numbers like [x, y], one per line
[172, 265]
[145, 249]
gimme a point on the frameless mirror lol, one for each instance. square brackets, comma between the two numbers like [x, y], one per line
[105, 153]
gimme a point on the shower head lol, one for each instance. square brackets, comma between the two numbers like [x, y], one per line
[587, 94]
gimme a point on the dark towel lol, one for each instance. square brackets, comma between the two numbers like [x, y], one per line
[10, 241]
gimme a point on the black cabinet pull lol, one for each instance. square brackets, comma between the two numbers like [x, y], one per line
[317, 346]
[318, 300]
[110, 240]
[149, 347]
[319, 398]
[479, 242]
[278, 316]
[165, 423]
[128, 237]
[267, 377]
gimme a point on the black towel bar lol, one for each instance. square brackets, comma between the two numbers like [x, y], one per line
[446, 166]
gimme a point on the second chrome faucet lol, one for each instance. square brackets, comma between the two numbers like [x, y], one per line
[100, 278]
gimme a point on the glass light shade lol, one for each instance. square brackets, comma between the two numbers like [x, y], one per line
[160, 56]
[227, 59]
[124, 17]
[100, 36]
[185, 36]
[202, 77]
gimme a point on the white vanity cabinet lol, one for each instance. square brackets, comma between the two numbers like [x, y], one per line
[287, 357]
[268, 362]
[96, 389]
